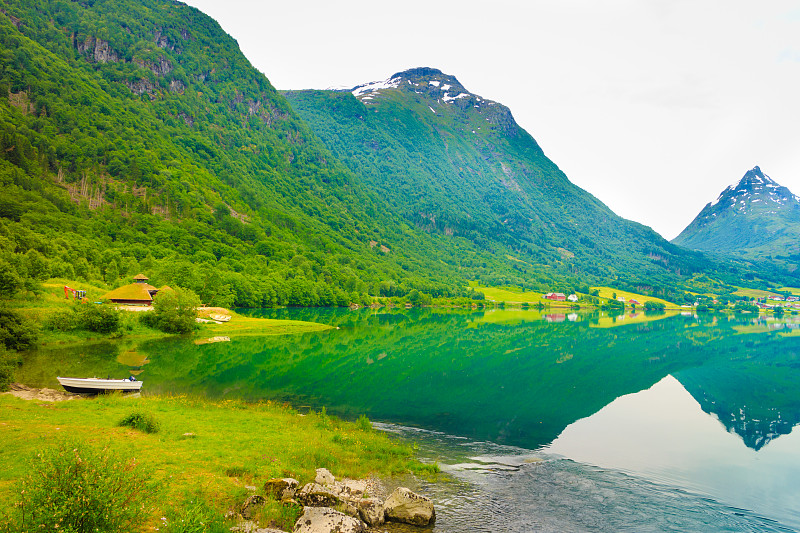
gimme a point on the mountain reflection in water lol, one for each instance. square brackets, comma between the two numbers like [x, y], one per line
[517, 378]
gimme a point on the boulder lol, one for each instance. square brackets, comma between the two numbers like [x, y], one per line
[324, 520]
[371, 511]
[251, 503]
[348, 508]
[315, 495]
[406, 506]
[350, 489]
[324, 477]
[281, 488]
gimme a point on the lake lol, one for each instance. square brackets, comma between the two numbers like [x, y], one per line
[546, 421]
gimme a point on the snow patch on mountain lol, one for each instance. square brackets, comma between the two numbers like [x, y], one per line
[448, 98]
[376, 86]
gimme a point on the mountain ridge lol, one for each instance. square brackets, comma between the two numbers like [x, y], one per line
[755, 218]
[136, 137]
[457, 163]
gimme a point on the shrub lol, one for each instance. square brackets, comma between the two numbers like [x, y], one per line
[142, 421]
[16, 332]
[10, 281]
[78, 488]
[174, 311]
[8, 361]
[363, 423]
[98, 318]
[65, 320]
[654, 306]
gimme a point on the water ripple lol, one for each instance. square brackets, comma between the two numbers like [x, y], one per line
[501, 489]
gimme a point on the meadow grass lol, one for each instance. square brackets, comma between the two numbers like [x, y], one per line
[753, 293]
[794, 290]
[204, 451]
[244, 326]
[51, 300]
[608, 292]
[499, 294]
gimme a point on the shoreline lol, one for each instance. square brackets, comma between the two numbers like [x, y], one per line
[190, 455]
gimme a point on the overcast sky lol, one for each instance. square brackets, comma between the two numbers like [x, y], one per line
[653, 106]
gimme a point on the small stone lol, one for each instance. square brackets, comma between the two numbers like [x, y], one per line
[371, 511]
[325, 520]
[250, 503]
[350, 488]
[315, 495]
[281, 488]
[408, 507]
[324, 477]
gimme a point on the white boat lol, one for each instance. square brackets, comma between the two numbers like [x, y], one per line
[96, 385]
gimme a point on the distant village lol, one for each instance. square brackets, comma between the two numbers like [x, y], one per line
[788, 301]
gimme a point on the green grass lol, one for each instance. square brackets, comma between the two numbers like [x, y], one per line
[51, 300]
[608, 292]
[240, 326]
[199, 445]
[753, 293]
[794, 290]
[505, 295]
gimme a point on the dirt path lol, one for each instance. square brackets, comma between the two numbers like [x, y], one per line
[45, 395]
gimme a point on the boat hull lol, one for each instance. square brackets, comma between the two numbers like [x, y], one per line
[98, 386]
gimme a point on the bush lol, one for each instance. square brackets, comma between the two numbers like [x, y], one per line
[16, 332]
[65, 320]
[363, 423]
[8, 362]
[78, 488]
[10, 281]
[98, 318]
[654, 306]
[142, 421]
[174, 311]
[86, 317]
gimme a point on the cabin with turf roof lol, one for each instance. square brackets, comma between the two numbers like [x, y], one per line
[137, 293]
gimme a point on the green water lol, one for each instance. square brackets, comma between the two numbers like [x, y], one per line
[516, 379]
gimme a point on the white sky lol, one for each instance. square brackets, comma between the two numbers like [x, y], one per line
[653, 106]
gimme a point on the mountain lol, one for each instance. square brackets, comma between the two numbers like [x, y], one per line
[454, 163]
[755, 218]
[136, 137]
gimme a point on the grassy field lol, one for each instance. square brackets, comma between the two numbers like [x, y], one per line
[241, 326]
[608, 292]
[794, 290]
[206, 451]
[753, 293]
[51, 300]
[505, 295]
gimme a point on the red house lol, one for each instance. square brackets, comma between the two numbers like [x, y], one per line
[555, 296]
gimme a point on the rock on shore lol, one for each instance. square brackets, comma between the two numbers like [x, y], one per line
[344, 506]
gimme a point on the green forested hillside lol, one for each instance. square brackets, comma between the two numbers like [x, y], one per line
[454, 163]
[136, 137]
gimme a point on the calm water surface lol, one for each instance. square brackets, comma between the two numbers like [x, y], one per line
[547, 422]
